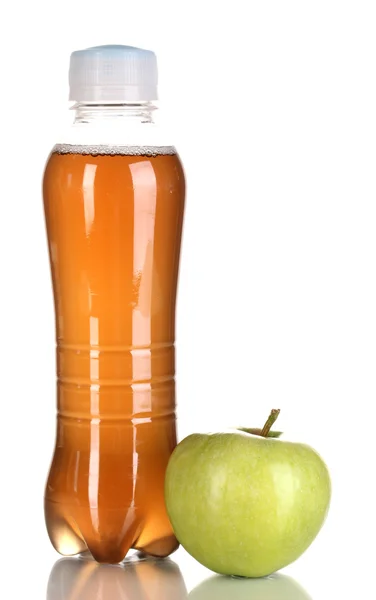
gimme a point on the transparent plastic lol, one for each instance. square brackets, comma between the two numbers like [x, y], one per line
[114, 200]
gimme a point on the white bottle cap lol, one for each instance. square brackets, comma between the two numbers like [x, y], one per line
[113, 74]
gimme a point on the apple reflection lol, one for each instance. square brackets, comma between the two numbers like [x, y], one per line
[84, 579]
[275, 587]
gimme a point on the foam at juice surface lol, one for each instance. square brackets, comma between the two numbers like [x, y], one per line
[102, 150]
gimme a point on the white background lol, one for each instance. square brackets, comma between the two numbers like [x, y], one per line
[274, 110]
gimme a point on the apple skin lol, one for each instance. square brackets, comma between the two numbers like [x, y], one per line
[275, 587]
[245, 505]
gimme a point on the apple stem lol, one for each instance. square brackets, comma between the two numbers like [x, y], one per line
[270, 421]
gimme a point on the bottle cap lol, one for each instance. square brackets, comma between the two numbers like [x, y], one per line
[113, 74]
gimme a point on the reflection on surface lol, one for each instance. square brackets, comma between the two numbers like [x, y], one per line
[84, 579]
[275, 587]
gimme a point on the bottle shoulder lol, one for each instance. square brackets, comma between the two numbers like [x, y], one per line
[131, 164]
[117, 134]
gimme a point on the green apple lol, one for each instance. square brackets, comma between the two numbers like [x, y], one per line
[246, 504]
[275, 587]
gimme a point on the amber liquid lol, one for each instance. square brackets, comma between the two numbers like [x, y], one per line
[114, 228]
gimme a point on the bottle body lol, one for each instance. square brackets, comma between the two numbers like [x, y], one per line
[114, 219]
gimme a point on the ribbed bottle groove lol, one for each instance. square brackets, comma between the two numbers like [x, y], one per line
[89, 382]
[115, 367]
[112, 348]
[130, 418]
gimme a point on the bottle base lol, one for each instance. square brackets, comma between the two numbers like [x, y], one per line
[70, 539]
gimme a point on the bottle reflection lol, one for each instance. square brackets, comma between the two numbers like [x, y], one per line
[84, 579]
[275, 587]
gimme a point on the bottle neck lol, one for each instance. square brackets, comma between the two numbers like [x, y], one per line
[120, 124]
[132, 114]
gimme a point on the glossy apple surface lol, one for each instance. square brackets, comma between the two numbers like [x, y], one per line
[246, 505]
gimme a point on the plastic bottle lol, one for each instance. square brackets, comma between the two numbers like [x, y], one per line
[114, 201]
